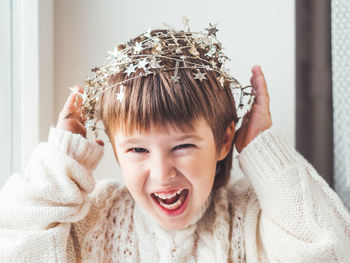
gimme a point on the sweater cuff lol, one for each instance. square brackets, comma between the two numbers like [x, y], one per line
[268, 154]
[85, 152]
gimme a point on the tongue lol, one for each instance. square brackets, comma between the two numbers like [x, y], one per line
[171, 200]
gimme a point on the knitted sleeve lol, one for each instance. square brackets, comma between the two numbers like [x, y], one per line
[38, 206]
[301, 219]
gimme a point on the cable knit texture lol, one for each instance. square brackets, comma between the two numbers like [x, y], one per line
[280, 210]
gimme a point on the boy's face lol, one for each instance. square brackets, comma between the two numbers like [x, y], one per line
[169, 174]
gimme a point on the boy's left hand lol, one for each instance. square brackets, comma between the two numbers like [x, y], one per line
[259, 118]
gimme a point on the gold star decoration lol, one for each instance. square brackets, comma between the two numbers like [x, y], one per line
[117, 54]
[155, 64]
[142, 63]
[157, 48]
[148, 33]
[212, 29]
[120, 94]
[130, 69]
[221, 80]
[95, 69]
[74, 91]
[131, 43]
[138, 47]
[115, 69]
[185, 21]
[175, 78]
[194, 51]
[199, 75]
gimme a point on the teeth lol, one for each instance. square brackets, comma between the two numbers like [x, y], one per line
[175, 205]
[168, 196]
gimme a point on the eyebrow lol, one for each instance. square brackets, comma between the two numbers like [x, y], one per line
[189, 136]
[129, 141]
[180, 138]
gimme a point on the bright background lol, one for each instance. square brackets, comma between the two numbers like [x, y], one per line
[73, 36]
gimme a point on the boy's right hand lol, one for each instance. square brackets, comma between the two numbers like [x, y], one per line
[70, 118]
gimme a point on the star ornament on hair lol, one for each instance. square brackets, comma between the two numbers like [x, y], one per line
[95, 69]
[142, 63]
[115, 54]
[155, 64]
[148, 33]
[212, 29]
[185, 21]
[199, 75]
[131, 68]
[120, 94]
[175, 78]
[138, 47]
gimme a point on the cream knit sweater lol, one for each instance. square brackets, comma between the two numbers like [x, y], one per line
[281, 210]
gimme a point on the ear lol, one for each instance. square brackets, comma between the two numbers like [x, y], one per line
[227, 142]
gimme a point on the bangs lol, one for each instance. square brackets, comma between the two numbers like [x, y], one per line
[154, 103]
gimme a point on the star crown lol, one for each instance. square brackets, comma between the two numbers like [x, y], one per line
[150, 53]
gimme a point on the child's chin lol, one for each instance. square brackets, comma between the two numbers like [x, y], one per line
[175, 224]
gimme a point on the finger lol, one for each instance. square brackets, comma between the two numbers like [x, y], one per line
[65, 113]
[67, 105]
[79, 104]
[259, 84]
[80, 128]
[246, 118]
[68, 110]
[80, 123]
[259, 79]
[80, 90]
[76, 105]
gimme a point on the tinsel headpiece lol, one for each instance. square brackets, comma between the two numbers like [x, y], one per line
[164, 45]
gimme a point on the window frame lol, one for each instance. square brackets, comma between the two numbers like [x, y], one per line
[31, 87]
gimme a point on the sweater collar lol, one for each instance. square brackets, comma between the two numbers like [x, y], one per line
[201, 211]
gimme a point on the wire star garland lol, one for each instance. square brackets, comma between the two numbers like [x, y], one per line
[164, 46]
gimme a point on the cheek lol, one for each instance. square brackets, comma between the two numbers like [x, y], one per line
[199, 168]
[134, 177]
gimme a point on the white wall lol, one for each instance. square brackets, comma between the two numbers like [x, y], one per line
[252, 31]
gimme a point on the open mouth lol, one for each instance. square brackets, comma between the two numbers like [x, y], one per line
[172, 204]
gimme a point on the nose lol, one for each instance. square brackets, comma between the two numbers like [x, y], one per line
[162, 168]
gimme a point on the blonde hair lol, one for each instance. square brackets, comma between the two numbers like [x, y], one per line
[154, 102]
